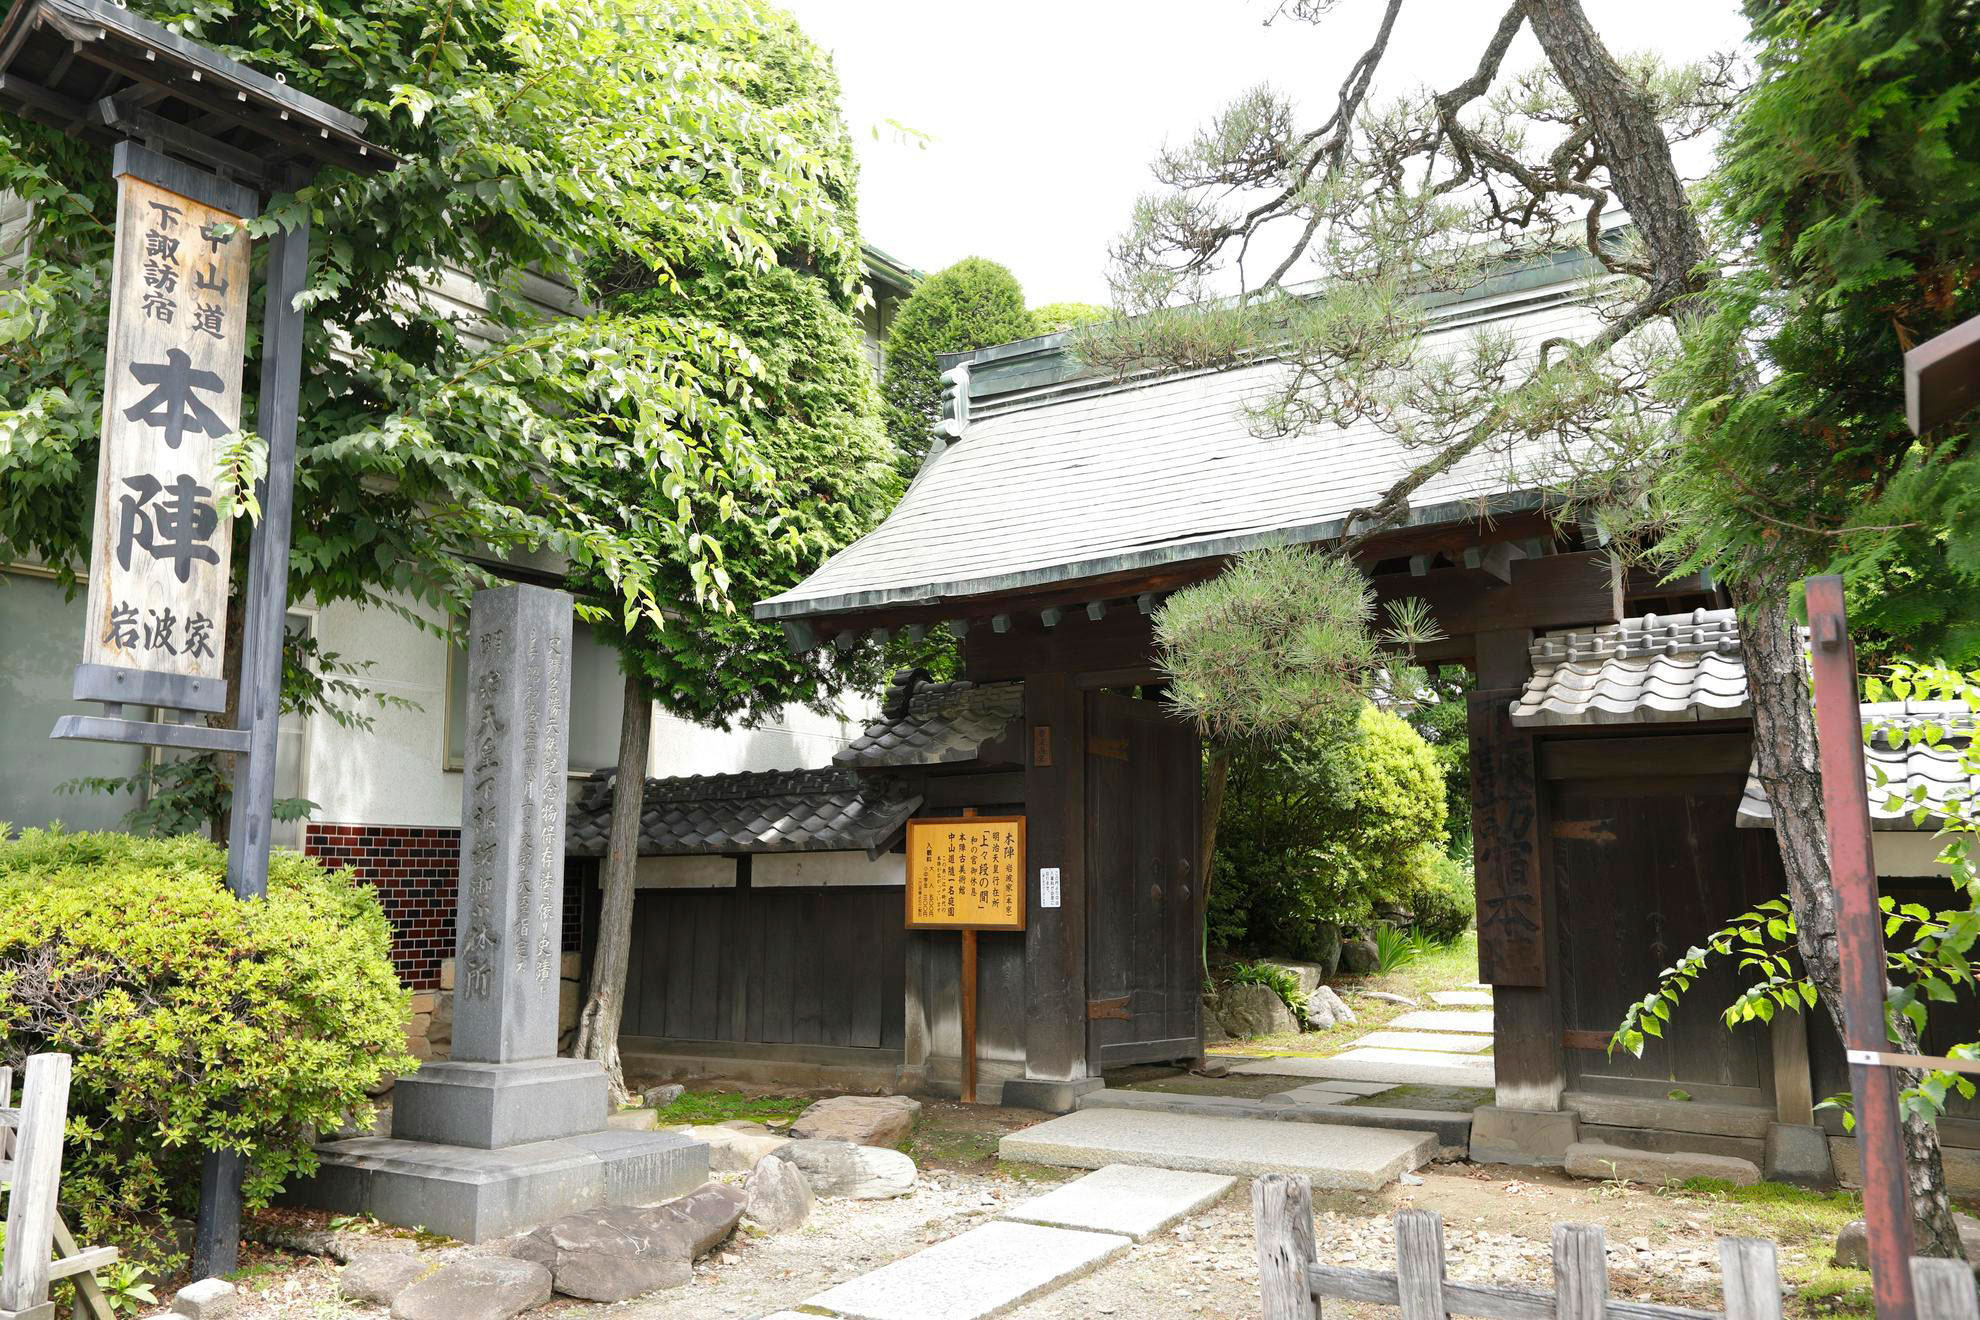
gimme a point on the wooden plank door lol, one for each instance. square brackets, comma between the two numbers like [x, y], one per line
[1143, 795]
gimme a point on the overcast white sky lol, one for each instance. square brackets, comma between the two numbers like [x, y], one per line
[1043, 116]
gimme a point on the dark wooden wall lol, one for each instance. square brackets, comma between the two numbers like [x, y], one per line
[779, 966]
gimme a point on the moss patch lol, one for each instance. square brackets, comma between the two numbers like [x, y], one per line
[1453, 1099]
[721, 1106]
[1238, 1086]
[1789, 1215]
[1838, 1292]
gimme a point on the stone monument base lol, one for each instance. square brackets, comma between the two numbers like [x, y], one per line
[477, 1194]
[495, 1105]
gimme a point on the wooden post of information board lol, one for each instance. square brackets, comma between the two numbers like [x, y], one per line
[966, 874]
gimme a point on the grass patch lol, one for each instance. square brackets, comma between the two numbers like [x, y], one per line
[1454, 1099]
[1026, 1172]
[1832, 1290]
[722, 1106]
[1785, 1213]
[958, 1146]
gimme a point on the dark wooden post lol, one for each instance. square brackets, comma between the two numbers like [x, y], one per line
[1055, 938]
[968, 986]
[1515, 918]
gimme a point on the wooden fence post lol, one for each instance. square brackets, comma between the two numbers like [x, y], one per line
[1282, 1213]
[1581, 1272]
[1944, 1289]
[1751, 1277]
[1420, 1264]
[37, 1177]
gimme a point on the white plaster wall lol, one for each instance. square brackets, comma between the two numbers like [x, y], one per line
[395, 774]
[1908, 852]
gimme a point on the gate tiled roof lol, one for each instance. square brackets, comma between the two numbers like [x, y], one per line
[1905, 767]
[925, 723]
[822, 810]
[1651, 670]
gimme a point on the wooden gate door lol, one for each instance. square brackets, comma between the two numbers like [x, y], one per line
[1648, 860]
[1143, 795]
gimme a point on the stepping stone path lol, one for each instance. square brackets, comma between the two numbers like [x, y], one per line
[983, 1272]
[1476, 1021]
[1462, 998]
[1439, 1041]
[1127, 1199]
[1395, 1067]
[1348, 1158]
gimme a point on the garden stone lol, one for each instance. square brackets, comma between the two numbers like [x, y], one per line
[1384, 995]
[734, 1149]
[839, 1168]
[1255, 1010]
[1327, 947]
[1343, 1015]
[1213, 1028]
[1307, 975]
[209, 1299]
[864, 1120]
[610, 1255]
[380, 1276]
[1853, 1247]
[707, 1214]
[1318, 1016]
[475, 1288]
[659, 1097]
[776, 1196]
[1359, 957]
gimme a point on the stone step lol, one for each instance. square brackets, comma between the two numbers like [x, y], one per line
[1589, 1159]
[1129, 1199]
[1477, 1020]
[1333, 1155]
[983, 1272]
[1462, 998]
[1302, 1105]
[1395, 1067]
[1443, 1042]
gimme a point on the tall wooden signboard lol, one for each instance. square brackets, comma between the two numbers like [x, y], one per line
[966, 873]
[160, 558]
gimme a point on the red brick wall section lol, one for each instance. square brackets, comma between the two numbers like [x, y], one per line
[416, 871]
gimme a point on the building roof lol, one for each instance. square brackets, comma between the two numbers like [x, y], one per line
[1090, 477]
[1937, 769]
[1657, 669]
[774, 811]
[922, 723]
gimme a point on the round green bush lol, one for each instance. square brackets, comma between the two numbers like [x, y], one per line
[972, 304]
[1437, 891]
[195, 1019]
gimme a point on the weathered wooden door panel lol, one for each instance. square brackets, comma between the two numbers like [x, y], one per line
[1644, 869]
[1142, 801]
[768, 966]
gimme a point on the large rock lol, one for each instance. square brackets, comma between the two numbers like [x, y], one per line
[864, 1120]
[1213, 1027]
[475, 1288]
[708, 1214]
[777, 1196]
[1254, 1010]
[734, 1148]
[1359, 957]
[1327, 953]
[1853, 1244]
[839, 1168]
[610, 1255]
[380, 1276]
[1343, 1015]
[1307, 974]
[1319, 1013]
[659, 1097]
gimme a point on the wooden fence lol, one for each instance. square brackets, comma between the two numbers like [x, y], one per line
[31, 1160]
[1292, 1282]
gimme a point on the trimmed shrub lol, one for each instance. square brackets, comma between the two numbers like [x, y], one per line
[972, 304]
[1053, 317]
[195, 1019]
[1317, 828]
[1437, 890]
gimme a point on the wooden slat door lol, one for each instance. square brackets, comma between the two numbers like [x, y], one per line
[1143, 774]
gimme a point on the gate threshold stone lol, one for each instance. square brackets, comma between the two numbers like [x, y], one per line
[1332, 1155]
[983, 1272]
[1445, 1019]
[1129, 1199]
[1439, 1042]
[1396, 1067]
[1451, 1126]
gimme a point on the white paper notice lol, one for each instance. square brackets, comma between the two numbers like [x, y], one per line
[1048, 886]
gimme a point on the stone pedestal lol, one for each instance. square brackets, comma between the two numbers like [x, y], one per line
[506, 1135]
[1534, 1137]
[1799, 1153]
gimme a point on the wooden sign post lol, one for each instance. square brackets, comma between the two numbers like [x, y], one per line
[966, 873]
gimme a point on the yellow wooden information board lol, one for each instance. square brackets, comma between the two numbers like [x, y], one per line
[966, 873]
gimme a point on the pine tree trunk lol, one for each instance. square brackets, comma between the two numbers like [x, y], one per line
[598, 1025]
[1206, 854]
[1784, 750]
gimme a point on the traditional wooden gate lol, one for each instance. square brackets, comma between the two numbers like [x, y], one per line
[1648, 860]
[1143, 774]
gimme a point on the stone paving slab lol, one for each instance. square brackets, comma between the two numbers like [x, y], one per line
[1442, 1042]
[1462, 998]
[1129, 1199]
[983, 1272]
[1332, 1155]
[1449, 1019]
[1452, 1127]
[1390, 1067]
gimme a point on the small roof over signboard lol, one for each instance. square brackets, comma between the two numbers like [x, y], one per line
[1931, 776]
[1656, 669]
[92, 67]
[924, 723]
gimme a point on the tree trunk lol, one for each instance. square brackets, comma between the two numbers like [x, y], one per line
[598, 1025]
[1206, 854]
[1784, 750]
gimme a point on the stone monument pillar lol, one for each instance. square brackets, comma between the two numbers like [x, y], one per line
[505, 1135]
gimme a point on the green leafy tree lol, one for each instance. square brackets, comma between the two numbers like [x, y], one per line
[972, 304]
[584, 141]
[1056, 316]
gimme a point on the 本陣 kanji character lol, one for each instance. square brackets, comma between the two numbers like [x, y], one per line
[172, 403]
[175, 528]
